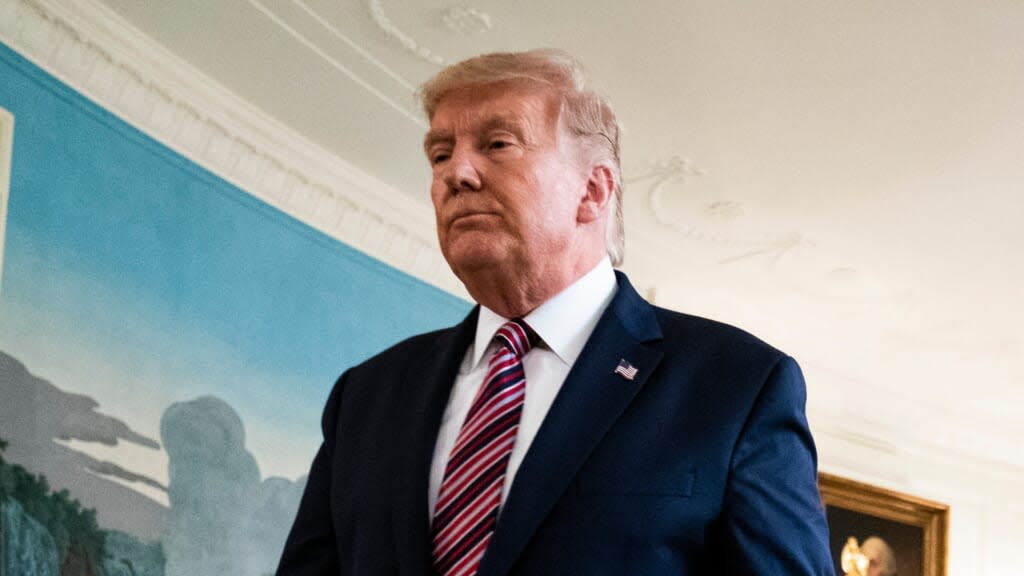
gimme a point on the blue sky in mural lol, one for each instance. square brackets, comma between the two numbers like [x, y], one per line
[138, 278]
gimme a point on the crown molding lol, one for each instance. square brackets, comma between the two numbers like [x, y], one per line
[96, 52]
[408, 43]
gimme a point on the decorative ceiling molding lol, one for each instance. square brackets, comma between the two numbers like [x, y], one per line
[466, 20]
[337, 64]
[384, 23]
[94, 51]
[663, 170]
[675, 168]
[337, 33]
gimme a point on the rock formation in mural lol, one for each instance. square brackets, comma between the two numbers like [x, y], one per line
[223, 519]
[127, 556]
[25, 544]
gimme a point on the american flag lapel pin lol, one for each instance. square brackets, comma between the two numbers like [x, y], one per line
[626, 370]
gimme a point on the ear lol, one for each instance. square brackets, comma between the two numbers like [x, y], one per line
[600, 187]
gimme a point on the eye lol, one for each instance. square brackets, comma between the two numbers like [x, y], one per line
[498, 143]
[439, 157]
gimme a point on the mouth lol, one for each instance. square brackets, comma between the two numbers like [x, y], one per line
[468, 217]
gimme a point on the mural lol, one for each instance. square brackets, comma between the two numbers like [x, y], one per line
[167, 342]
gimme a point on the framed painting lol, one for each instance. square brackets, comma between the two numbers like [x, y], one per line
[880, 532]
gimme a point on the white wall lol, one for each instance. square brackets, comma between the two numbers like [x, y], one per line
[985, 498]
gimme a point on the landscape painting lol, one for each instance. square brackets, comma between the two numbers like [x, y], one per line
[167, 342]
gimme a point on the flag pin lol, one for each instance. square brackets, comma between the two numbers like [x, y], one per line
[626, 370]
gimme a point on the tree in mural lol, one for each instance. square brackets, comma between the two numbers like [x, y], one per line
[56, 518]
[41, 527]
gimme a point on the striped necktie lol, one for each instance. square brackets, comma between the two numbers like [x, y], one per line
[470, 497]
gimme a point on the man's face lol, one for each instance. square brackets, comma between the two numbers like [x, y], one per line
[507, 183]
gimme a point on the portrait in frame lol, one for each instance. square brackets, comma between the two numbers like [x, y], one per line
[874, 530]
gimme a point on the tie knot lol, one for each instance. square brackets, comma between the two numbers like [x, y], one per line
[517, 336]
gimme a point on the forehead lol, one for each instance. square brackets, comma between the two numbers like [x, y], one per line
[529, 105]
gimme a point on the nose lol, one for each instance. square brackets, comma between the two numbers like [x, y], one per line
[460, 171]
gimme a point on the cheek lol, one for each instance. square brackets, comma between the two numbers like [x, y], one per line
[560, 201]
[437, 199]
[438, 194]
[436, 191]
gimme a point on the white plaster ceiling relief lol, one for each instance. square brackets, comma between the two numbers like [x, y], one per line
[384, 23]
[372, 83]
[712, 216]
[466, 20]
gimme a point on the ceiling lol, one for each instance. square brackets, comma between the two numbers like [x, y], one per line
[845, 179]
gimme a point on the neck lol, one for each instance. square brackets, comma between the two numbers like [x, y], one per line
[514, 292]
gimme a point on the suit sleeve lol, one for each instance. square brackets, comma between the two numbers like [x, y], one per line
[311, 547]
[774, 522]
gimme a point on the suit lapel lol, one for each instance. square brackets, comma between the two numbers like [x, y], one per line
[424, 396]
[590, 401]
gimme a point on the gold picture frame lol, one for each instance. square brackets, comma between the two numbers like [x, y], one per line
[916, 529]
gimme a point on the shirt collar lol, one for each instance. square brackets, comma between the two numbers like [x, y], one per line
[564, 322]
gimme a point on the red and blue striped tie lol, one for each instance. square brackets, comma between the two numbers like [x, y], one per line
[467, 506]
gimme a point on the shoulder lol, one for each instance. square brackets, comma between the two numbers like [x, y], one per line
[715, 351]
[730, 367]
[706, 336]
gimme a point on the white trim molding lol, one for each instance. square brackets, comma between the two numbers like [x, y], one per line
[6, 148]
[93, 50]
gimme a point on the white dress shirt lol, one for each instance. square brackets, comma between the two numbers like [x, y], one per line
[564, 323]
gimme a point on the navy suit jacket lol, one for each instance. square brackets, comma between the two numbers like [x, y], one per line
[701, 464]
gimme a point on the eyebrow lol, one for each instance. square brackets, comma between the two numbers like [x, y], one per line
[497, 122]
[435, 137]
[506, 123]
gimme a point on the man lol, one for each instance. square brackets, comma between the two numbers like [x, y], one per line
[594, 433]
[872, 558]
[881, 558]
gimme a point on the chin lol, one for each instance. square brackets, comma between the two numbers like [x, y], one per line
[466, 258]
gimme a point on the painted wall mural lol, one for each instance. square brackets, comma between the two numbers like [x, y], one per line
[167, 342]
